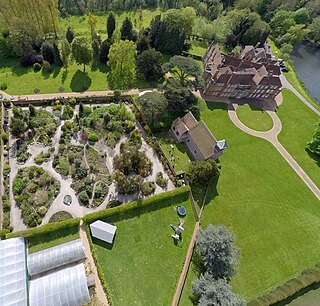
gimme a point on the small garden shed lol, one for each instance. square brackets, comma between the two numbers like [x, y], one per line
[103, 231]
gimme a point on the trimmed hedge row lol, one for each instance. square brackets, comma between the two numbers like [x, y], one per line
[3, 233]
[99, 269]
[305, 279]
[44, 229]
[135, 204]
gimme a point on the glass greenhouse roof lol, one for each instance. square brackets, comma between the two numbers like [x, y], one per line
[67, 287]
[13, 273]
[55, 257]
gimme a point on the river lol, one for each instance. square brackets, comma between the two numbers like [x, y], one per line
[306, 62]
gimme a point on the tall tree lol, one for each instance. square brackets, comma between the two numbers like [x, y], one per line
[210, 292]
[47, 52]
[56, 54]
[127, 32]
[69, 34]
[96, 49]
[65, 53]
[104, 51]
[154, 106]
[201, 172]
[183, 67]
[122, 63]
[92, 22]
[81, 51]
[111, 24]
[216, 244]
[149, 65]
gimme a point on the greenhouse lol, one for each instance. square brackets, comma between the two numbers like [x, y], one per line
[65, 287]
[13, 272]
[55, 257]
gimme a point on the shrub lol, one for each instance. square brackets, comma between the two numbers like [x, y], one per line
[67, 112]
[72, 101]
[148, 188]
[83, 198]
[42, 210]
[30, 60]
[46, 67]
[3, 86]
[200, 172]
[161, 181]
[36, 67]
[92, 137]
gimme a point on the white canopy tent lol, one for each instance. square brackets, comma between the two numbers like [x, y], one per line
[103, 230]
[13, 273]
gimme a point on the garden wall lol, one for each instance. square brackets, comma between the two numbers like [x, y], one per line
[291, 289]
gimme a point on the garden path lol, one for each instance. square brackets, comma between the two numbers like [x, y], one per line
[287, 84]
[272, 137]
[98, 288]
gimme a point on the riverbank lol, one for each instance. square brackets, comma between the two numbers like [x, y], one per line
[292, 77]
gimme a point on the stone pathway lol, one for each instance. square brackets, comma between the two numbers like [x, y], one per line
[272, 137]
[99, 289]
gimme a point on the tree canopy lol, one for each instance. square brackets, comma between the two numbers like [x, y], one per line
[81, 51]
[201, 172]
[183, 67]
[216, 244]
[111, 24]
[149, 65]
[154, 106]
[122, 63]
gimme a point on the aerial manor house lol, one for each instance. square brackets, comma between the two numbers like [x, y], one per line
[254, 75]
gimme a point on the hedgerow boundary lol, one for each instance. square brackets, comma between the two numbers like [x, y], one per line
[290, 290]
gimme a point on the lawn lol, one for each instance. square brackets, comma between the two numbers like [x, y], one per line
[274, 215]
[49, 240]
[21, 81]
[255, 119]
[144, 264]
[180, 160]
[298, 124]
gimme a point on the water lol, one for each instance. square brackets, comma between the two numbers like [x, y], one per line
[306, 61]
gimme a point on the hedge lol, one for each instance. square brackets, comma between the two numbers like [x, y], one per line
[286, 291]
[3, 233]
[44, 229]
[135, 204]
[99, 269]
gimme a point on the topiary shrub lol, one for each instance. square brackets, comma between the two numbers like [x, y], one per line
[148, 188]
[92, 137]
[161, 181]
[36, 67]
[46, 67]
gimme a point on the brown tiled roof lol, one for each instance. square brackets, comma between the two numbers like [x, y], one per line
[189, 120]
[223, 78]
[203, 139]
[271, 80]
[179, 126]
[242, 79]
[232, 61]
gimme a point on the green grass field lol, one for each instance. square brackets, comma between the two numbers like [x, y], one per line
[298, 124]
[273, 214]
[144, 264]
[255, 119]
[45, 241]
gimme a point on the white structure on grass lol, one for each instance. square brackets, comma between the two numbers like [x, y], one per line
[103, 230]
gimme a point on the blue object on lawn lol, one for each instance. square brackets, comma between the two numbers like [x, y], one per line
[182, 211]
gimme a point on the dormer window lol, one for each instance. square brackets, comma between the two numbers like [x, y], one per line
[177, 133]
[174, 128]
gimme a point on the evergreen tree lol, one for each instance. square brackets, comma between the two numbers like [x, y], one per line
[69, 34]
[142, 43]
[126, 31]
[47, 52]
[96, 49]
[149, 65]
[104, 51]
[111, 24]
[57, 57]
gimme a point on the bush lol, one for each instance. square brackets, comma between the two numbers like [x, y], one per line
[153, 200]
[72, 101]
[200, 172]
[3, 86]
[3, 233]
[36, 67]
[46, 67]
[83, 197]
[148, 188]
[67, 112]
[30, 60]
[92, 137]
[161, 181]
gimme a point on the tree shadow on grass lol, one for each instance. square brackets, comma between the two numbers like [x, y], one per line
[56, 71]
[315, 157]
[80, 81]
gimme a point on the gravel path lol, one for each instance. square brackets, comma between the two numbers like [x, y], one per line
[272, 137]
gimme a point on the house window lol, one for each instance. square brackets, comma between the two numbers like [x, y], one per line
[174, 128]
[177, 133]
[195, 151]
[188, 140]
